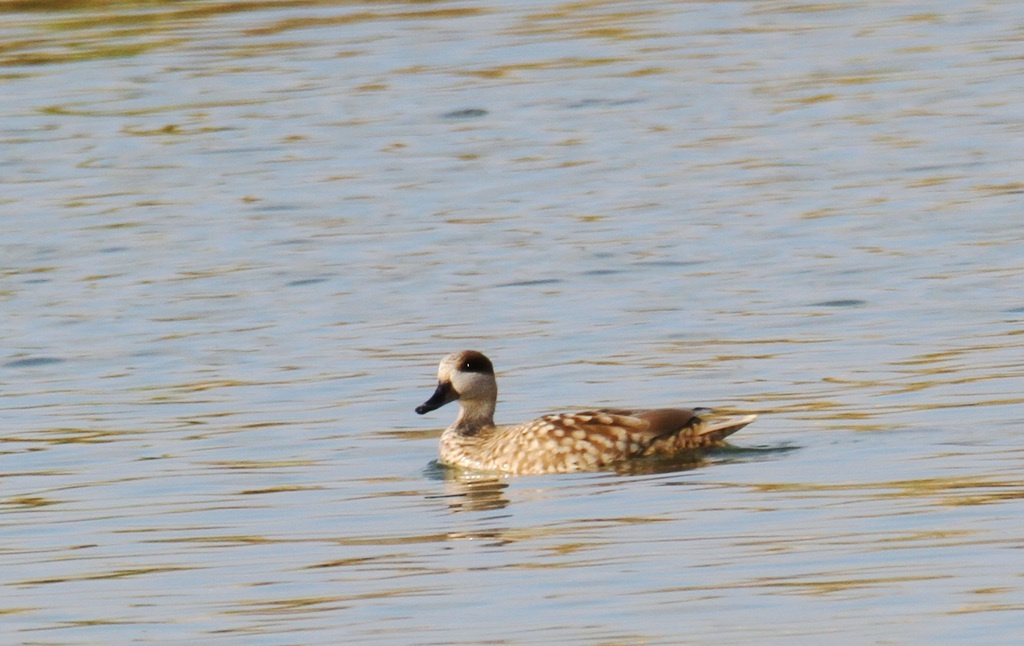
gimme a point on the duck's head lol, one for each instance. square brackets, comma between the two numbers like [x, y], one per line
[467, 376]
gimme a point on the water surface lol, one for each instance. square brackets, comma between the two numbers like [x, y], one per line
[238, 236]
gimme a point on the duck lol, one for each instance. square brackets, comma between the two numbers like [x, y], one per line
[563, 442]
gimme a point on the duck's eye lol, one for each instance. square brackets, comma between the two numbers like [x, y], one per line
[476, 364]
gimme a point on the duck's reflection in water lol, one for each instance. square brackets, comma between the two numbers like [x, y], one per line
[468, 490]
[477, 491]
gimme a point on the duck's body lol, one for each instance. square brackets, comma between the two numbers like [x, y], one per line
[558, 443]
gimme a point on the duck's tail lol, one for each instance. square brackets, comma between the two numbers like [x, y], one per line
[701, 432]
[713, 431]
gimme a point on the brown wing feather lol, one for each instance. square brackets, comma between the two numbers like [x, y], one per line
[666, 421]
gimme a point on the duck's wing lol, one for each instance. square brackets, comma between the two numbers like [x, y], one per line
[652, 424]
[682, 428]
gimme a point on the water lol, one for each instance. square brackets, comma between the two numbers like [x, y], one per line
[237, 237]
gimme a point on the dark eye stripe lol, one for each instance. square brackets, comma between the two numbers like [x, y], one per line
[476, 362]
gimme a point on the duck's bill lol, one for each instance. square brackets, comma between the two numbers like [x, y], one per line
[441, 396]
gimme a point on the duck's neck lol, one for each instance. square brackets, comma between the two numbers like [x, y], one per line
[474, 416]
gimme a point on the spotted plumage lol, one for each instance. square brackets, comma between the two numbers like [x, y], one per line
[562, 442]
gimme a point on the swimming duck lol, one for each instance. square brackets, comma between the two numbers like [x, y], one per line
[562, 442]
